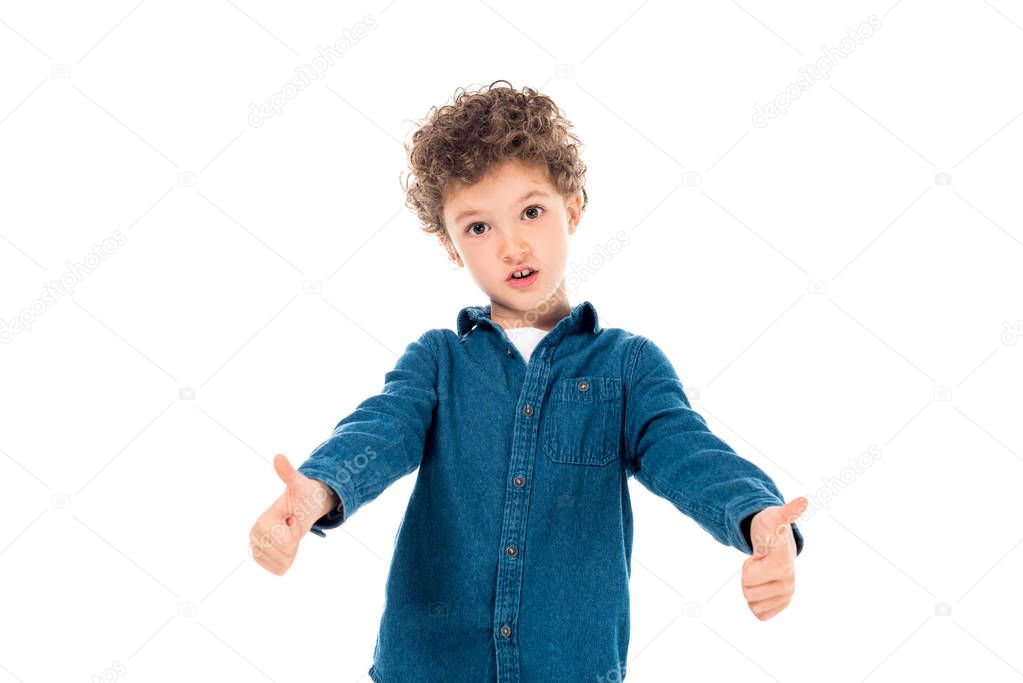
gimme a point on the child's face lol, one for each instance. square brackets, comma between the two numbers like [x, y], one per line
[505, 231]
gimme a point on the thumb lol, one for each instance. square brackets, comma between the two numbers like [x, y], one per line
[288, 474]
[291, 478]
[779, 518]
[794, 508]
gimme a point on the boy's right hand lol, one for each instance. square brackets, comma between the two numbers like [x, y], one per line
[274, 538]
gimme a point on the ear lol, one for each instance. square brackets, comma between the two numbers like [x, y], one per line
[574, 208]
[453, 256]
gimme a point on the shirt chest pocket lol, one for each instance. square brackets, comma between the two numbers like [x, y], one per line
[583, 420]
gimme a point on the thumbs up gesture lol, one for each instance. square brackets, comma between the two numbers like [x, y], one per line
[769, 574]
[273, 540]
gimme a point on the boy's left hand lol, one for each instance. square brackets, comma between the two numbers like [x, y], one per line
[769, 574]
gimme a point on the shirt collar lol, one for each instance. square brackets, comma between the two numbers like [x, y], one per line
[582, 318]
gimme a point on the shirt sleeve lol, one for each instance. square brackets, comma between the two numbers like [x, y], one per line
[672, 452]
[382, 440]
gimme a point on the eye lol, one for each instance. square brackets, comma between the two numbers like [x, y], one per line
[469, 230]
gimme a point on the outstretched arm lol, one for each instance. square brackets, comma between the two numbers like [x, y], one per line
[382, 440]
[672, 452]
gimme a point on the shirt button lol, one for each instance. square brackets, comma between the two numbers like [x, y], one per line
[512, 551]
[528, 410]
[506, 630]
[519, 482]
[509, 351]
[583, 386]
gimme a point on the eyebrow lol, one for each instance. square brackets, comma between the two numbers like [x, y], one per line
[531, 193]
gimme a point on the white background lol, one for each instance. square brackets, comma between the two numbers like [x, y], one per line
[823, 289]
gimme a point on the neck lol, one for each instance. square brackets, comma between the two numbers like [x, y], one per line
[544, 314]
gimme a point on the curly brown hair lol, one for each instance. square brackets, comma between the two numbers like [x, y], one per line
[462, 141]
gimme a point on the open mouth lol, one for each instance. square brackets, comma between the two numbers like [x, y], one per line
[530, 278]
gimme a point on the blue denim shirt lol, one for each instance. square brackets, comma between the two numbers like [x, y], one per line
[513, 558]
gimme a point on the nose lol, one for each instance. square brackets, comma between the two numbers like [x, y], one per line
[512, 245]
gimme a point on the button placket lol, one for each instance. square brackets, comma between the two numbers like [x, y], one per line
[524, 447]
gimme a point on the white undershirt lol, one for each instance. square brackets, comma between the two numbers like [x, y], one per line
[525, 339]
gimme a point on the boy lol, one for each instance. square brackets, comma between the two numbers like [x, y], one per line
[513, 558]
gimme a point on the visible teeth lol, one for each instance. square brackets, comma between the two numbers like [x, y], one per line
[522, 273]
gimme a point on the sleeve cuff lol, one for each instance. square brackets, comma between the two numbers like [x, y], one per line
[346, 498]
